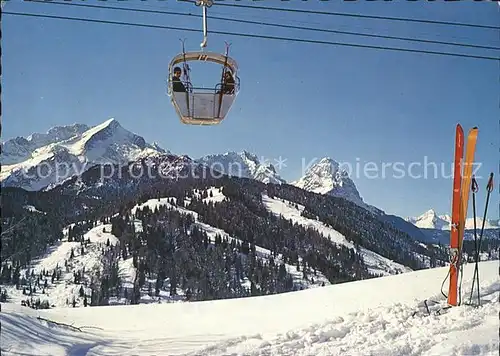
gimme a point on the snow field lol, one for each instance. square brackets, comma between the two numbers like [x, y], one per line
[379, 316]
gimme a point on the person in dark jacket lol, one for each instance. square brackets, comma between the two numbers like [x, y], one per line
[177, 85]
[228, 84]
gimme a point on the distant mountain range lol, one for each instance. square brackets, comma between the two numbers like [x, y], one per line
[45, 160]
[30, 162]
[431, 220]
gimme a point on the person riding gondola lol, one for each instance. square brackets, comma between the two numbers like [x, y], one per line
[228, 83]
[177, 85]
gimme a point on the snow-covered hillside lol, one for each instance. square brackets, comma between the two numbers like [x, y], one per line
[432, 220]
[41, 160]
[327, 177]
[242, 164]
[57, 285]
[214, 195]
[376, 264]
[50, 278]
[383, 316]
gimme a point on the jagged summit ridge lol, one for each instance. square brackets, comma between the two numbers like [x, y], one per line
[327, 177]
[324, 176]
[80, 146]
[430, 220]
[20, 148]
[36, 162]
[242, 164]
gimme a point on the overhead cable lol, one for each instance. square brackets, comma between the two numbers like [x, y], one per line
[271, 24]
[248, 35]
[402, 19]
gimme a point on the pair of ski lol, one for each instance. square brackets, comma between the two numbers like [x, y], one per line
[462, 176]
[463, 183]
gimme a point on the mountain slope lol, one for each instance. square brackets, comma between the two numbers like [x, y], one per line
[41, 160]
[243, 164]
[403, 225]
[376, 263]
[326, 177]
[44, 159]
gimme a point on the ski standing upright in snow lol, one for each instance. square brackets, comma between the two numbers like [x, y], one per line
[455, 213]
[460, 202]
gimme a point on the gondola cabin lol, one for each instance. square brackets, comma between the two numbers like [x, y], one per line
[202, 105]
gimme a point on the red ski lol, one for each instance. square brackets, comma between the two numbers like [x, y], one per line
[455, 214]
[460, 204]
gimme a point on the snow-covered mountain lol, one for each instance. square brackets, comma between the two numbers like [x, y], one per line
[242, 164]
[324, 177]
[20, 149]
[431, 220]
[327, 177]
[41, 160]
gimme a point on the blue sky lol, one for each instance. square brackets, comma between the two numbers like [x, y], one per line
[298, 101]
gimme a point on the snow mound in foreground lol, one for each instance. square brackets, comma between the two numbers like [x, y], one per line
[381, 316]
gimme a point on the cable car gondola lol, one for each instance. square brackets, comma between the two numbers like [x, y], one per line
[203, 105]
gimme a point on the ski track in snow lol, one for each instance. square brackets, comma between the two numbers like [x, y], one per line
[370, 317]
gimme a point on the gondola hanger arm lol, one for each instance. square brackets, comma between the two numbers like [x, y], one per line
[205, 4]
